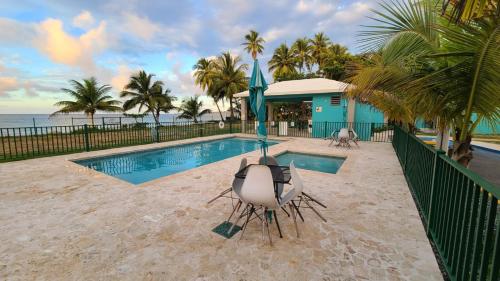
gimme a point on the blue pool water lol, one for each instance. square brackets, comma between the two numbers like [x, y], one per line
[325, 164]
[139, 167]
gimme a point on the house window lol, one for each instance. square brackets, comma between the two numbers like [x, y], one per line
[335, 100]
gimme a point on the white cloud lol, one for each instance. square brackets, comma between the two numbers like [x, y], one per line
[316, 7]
[352, 14]
[181, 82]
[7, 84]
[15, 33]
[64, 48]
[123, 76]
[275, 33]
[83, 20]
[141, 27]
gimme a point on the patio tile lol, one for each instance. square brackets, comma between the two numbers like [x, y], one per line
[59, 221]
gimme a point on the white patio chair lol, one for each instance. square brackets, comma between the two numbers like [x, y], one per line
[257, 192]
[237, 183]
[343, 138]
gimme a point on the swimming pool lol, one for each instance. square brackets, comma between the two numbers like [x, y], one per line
[320, 163]
[142, 166]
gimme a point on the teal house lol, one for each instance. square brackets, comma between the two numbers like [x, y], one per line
[330, 108]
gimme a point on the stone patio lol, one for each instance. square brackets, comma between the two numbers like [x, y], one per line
[60, 221]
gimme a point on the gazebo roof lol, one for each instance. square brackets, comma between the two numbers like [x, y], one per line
[302, 87]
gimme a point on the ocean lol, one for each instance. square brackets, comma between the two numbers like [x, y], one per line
[43, 120]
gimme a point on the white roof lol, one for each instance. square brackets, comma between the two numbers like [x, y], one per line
[302, 87]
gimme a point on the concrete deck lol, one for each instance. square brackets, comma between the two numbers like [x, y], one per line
[59, 221]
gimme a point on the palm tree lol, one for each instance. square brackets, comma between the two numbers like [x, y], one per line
[442, 72]
[283, 62]
[192, 109]
[204, 75]
[164, 103]
[229, 78]
[143, 92]
[89, 98]
[253, 43]
[319, 45]
[465, 10]
[302, 51]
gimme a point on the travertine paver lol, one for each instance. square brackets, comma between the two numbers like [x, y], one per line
[59, 221]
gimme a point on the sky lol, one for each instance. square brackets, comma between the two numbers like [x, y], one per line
[43, 44]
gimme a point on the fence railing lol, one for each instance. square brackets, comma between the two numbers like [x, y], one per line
[378, 132]
[32, 142]
[459, 209]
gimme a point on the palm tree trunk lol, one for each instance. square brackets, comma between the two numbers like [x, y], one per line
[158, 117]
[91, 115]
[462, 152]
[231, 107]
[155, 118]
[218, 109]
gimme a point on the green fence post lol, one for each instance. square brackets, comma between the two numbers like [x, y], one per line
[437, 156]
[86, 137]
[231, 127]
[325, 130]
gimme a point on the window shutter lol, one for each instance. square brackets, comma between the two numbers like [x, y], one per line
[335, 100]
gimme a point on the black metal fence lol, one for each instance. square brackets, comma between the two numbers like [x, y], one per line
[32, 142]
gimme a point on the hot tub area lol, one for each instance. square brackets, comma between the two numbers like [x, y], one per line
[313, 162]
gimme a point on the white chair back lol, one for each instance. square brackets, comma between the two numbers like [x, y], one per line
[297, 188]
[237, 182]
[344, 133]
[258, 187]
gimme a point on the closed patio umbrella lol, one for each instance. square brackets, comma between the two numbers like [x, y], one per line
[257, 87]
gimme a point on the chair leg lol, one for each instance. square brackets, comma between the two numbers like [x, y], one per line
[284, 210]
[292, 210]
[314, 210]
[238, 219]
[268, 231]
[314, 200]
[298, 211]
[263, 223]
[277, 223]
[250, 213]
[234, 210]
[220, 195]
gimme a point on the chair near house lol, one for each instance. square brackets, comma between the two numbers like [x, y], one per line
[343, 137]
